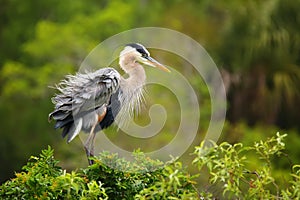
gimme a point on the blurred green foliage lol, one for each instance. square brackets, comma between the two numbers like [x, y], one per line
[255, 43]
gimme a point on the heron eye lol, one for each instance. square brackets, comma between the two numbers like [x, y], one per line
[144, 55]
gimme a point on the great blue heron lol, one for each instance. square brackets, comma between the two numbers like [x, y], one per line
[92, 101]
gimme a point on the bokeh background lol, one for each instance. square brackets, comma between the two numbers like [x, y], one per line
[255, 44]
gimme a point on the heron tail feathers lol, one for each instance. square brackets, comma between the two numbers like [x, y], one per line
[74, 130]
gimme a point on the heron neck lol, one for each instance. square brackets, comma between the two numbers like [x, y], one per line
[137, 77]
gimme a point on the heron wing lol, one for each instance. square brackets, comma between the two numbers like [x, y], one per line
[80, 95]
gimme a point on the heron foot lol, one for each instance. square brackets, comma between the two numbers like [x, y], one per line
[89, 154]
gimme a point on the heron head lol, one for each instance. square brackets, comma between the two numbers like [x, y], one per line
[136, 52]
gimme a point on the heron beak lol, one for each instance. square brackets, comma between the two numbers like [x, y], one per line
[153, 63]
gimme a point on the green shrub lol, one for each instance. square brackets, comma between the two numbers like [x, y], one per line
[42, 178]
[110, 177]
[231, 176]
[231, 169]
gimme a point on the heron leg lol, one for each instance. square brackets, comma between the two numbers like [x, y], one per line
[89, 145]
[92, 145]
